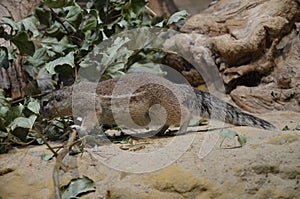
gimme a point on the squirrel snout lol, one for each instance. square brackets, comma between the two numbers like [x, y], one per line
[45, 109]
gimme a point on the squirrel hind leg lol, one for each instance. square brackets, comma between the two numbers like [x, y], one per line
[182, 129]
[163, 130]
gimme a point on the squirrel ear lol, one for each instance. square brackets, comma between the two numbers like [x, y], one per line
[58, 98]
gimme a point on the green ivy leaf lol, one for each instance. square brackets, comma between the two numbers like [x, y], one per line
[2, 125]
[77, 187]
[14, 25]
[90, 37]
[242, 140]
[11, 53]
[56, 30]
[3, 135]
[14, 112]
[34, 106]
[23, 122]
[194, 122]
[160, 24]
[286, 128]
[95, 14]
[44, 16]
[90, 25]
[30, 24]
[21, 40]
[40, 57]
[74, 15]
[147, 68]
[68, 60]
[138, 5]
[76, 151]
[47, 157]
[115, 70]
[198, 122]
[60, 47]
[116, 52]
[4, 101]
[226, 133]
[3, 111]
[19, 134]
[44, 80]
[178, 16]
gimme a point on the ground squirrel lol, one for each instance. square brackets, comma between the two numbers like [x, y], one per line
[179, 101]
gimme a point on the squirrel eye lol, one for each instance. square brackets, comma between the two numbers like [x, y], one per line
[45, 102]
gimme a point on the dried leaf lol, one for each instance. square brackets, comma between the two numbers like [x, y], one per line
[47, 156]
[77, 187]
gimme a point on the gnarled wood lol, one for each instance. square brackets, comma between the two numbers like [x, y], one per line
[249, 42]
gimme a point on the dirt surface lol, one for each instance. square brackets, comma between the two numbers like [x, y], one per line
[268, 166]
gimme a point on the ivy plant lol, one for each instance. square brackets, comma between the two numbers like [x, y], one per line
[55, 41]
[16, 121]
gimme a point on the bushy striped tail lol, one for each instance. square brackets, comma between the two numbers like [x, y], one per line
[215, 108]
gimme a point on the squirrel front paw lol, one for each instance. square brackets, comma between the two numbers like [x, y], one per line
[81, 130]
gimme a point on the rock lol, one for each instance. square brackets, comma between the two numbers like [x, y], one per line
[174, 179]
[252, 45]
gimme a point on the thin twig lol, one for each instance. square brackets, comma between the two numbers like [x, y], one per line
[17, 142]
[45, 140]
[59, 163]
[151, 11]
[222, 142]
[59, 20]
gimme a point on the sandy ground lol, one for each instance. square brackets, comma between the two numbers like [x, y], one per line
[268, 166]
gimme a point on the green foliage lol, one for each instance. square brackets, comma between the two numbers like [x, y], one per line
[57, 40]
[232, 134]
[176, 20]
[16, 121]
[55, 129]
[47, 157]
[196, 122]
[78, 186]
[60, 34]
[118, 15]
[286, 128]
